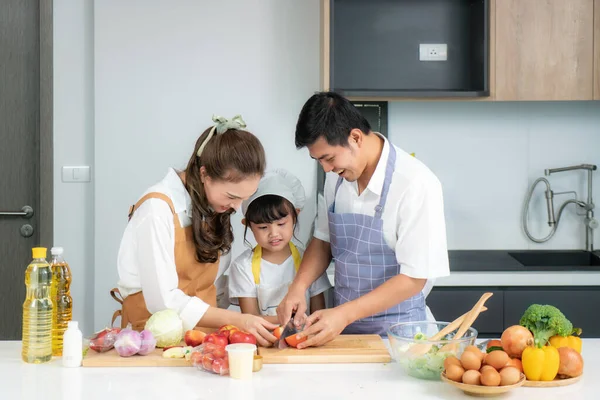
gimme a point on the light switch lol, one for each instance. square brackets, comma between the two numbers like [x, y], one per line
[76, 174]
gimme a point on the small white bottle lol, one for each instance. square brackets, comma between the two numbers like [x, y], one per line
[72, 346]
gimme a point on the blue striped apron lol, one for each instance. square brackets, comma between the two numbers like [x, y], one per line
[363, 261]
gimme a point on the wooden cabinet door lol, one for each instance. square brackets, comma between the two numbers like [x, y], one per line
[597, 50]
[544, 49]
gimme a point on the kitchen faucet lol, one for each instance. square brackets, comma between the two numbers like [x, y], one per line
[590, 222]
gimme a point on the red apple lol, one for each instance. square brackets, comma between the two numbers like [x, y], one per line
[242, 337]
[216, 338]
[227, 330]
[194, 338]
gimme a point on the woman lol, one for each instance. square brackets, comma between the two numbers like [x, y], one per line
[179, 234]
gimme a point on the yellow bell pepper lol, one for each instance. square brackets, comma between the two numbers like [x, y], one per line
[540, 364]
[572, 341]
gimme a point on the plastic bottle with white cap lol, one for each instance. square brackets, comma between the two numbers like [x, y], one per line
[72, 346]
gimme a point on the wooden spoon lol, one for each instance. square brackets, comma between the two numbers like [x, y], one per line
[473, 314]
[422, 348]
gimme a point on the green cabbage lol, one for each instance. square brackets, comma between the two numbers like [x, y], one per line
[166, 327]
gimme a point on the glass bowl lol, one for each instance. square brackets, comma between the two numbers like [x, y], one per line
[422, 358]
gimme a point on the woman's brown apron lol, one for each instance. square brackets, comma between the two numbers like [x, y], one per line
[195, 278]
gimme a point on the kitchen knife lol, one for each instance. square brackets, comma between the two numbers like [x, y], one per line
[289, 330]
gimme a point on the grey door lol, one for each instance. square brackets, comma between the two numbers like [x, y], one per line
[20, 151]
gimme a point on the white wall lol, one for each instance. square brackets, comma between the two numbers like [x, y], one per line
[73, 145]
[488, 154]
[137, 81]
[163, 68]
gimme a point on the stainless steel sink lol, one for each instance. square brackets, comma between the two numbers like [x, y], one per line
[556, 258]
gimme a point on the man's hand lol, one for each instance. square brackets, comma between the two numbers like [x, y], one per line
[294, 301]
[323, 326]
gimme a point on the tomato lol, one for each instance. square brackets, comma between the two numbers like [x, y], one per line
[293, 342]
[220, 366]
[219, 352]
[277, 332]
[290, 340]
[207, 361]
[196, 358]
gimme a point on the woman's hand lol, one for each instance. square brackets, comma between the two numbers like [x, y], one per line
[258, 327]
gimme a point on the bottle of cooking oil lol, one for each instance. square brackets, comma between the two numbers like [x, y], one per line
[37, 310]
[61, 299]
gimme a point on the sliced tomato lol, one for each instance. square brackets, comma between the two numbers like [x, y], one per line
[293, 342]
[277, 332]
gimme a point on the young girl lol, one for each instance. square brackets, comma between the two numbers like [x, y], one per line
[176, 245]
[259, 277]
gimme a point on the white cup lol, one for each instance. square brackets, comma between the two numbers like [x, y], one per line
[241, 358]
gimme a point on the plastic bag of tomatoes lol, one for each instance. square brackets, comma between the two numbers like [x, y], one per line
[211, 357]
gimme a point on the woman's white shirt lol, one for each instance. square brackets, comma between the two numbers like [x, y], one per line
[146, 260]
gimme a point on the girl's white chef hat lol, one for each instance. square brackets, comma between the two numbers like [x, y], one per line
[282, 183]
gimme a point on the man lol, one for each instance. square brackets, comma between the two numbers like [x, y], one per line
[384, 227]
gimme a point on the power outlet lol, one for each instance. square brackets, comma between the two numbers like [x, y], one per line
[433, 52]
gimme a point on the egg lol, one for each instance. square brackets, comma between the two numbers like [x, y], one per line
[497, 359]
[509, 376]
[470, 361]
[455, 372]
[475, 350]
[490, 377]
[451, 361]
[515, 362]
[471, 377]
[486, 367]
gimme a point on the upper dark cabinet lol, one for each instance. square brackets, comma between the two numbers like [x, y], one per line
[392, 48]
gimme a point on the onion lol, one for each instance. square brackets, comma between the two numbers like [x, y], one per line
[148, 343]
[128, 342]
[515, 339]
[571, 363]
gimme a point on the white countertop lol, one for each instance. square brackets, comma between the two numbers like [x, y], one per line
[282, 382]
[513, 278]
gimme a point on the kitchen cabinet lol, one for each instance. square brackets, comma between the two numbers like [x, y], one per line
[508, 304]
[406, 48]
[596, 49]
[535, 50]
[544, 49]
[579, 305]
[447, 304]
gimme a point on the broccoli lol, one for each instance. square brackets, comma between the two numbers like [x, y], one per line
[545, 321]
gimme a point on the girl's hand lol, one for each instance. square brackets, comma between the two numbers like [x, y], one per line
[258, 327]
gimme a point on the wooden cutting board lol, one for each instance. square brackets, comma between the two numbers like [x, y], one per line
[112, 359]
[343, 349]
